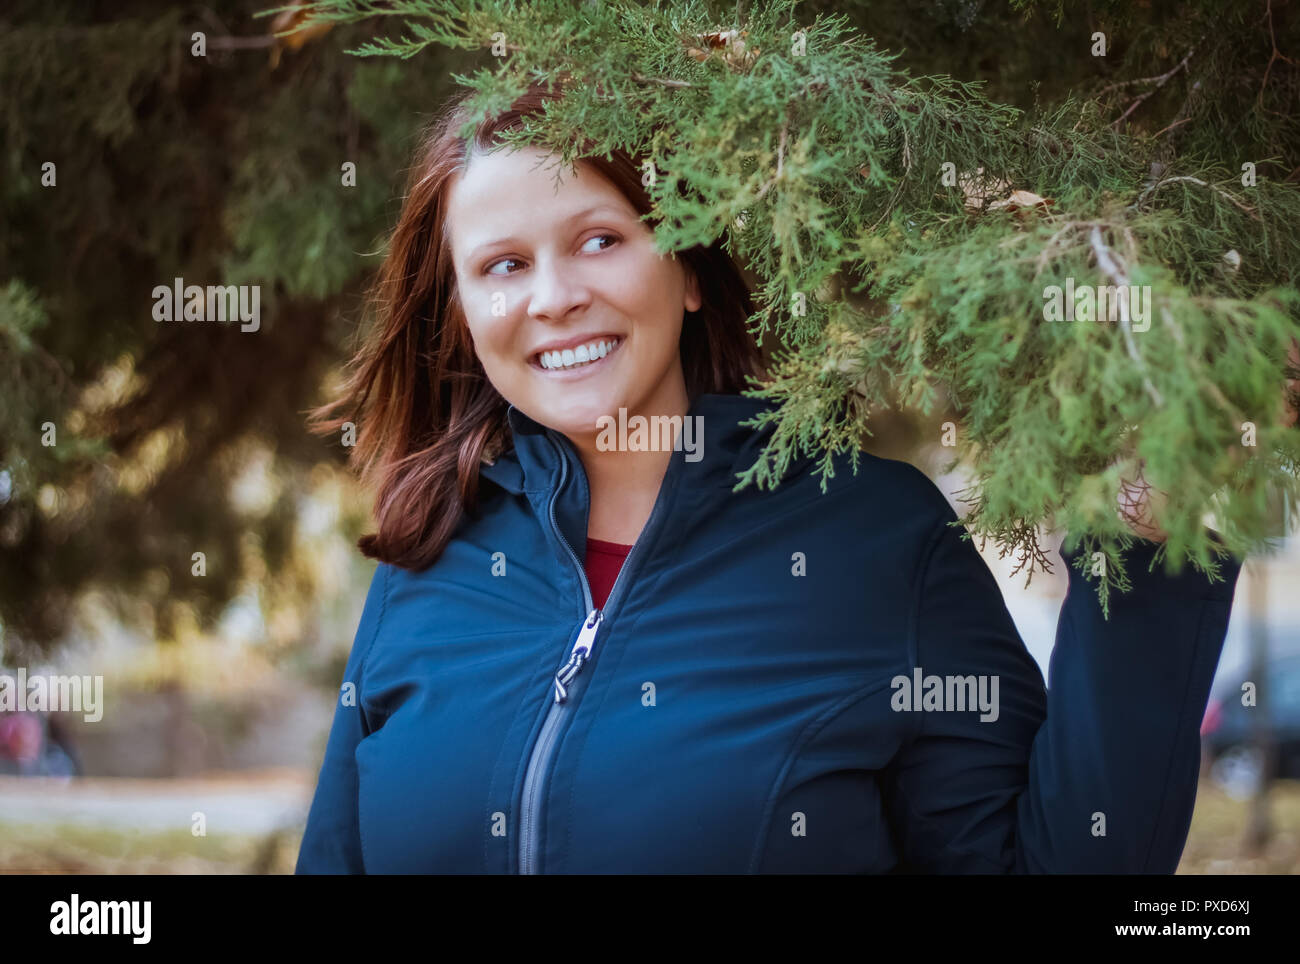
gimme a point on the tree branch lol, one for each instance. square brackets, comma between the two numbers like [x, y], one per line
[1194, 180]
[1109, 267]
[1160, 81]
[1275, 56]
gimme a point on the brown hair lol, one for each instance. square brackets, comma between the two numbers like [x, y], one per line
[426, 414]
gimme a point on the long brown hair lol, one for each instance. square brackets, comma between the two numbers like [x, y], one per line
[426, 416]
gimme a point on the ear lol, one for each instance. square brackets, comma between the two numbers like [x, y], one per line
[693, 299]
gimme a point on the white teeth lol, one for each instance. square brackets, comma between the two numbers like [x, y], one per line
[575, 357]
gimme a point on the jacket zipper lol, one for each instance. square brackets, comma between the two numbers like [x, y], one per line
[580, 653]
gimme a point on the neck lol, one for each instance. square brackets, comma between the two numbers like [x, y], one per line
[625, 483]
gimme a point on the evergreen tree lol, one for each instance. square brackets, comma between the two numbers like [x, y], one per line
[919, 243]
[121, 437]
[904, 181]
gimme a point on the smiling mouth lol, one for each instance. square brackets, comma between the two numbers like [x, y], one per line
[586, 355]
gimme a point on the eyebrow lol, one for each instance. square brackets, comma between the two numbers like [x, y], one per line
[577, 216]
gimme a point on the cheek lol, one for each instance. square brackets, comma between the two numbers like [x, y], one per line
[653, 291]
[475, 300]
[491, 334]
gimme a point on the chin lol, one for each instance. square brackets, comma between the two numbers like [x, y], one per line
[579, 414]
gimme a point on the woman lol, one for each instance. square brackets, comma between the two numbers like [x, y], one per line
[769, 681]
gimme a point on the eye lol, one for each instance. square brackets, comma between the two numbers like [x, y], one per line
[613, 237]
[489, 268]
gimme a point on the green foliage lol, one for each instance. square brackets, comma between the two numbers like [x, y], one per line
[221, 168]
[821, 172]
[887, 283]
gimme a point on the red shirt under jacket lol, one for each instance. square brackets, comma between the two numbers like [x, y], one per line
[604, 560]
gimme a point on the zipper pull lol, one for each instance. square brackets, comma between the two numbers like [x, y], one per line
[582, 648]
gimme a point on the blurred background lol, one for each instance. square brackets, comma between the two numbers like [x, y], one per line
[167, 523]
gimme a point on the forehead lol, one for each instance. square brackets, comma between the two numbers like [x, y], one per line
[489, 199]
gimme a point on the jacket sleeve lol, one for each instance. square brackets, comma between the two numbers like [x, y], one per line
[1098, 773]
[331, 843]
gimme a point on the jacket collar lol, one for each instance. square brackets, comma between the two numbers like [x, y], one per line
[728, 448]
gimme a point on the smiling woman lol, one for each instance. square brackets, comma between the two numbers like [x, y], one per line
[583, 657]
[494, 271]
[575, 277]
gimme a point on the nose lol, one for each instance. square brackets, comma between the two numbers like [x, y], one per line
[556, 290]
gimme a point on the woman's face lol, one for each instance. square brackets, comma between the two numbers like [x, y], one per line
[549, 275]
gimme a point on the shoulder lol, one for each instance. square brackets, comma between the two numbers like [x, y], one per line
[891, 490]
[883, 523]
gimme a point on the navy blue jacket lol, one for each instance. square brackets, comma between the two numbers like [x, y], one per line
[739, 704]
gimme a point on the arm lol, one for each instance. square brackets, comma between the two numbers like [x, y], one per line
[1115, 737]
[331, 843]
